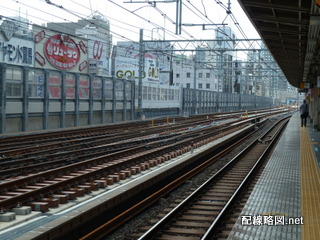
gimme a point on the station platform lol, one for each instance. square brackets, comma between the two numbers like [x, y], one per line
[285, 202]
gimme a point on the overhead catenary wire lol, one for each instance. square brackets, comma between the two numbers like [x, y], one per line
[117, 5]
[116, 33]
[77, 14]
[58, 17]
[82, 17]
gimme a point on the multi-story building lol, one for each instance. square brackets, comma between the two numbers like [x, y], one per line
[96, 25]
[223, 56]
[188, 74]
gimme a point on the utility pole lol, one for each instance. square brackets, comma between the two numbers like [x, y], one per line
[194, 95]
[141, 73]
[113, 71]
[259, 73]
[178, 17]
[221, 78]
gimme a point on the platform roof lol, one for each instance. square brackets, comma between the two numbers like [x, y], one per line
[290, 29]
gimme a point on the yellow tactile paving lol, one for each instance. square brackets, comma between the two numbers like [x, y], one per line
[310, 189]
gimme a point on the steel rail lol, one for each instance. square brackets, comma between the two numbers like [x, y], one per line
[61, 134]
[119, 220]
[103, 138]
[69, 152]
[210, 231]
[104, 170]
[152, 232]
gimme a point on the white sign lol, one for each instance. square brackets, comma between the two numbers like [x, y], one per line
[93, 70]
[40, 86]
[8, 28]
[17, 51]
[127, 63]
[54, 50]
[97, 51]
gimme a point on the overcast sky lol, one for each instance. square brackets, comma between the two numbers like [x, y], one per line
[127, 18]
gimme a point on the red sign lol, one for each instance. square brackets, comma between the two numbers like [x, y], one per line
[39, 36]
[62, 52]
[40, 59]
[97, 49]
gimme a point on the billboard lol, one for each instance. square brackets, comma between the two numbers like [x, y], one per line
[58, 51]
[127, 63]
[15, 50]
[98, 59]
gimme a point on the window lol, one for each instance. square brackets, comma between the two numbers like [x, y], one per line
[96, 88]
[128, 90]
[155, 93]
[207, 85]
[119, 90]
[171, 94]
[14, 82]
[149, 92]
[83, 87]
[162, 94]
[200, 85]
[36, 84]
[188, 85]
[178, 75]
[54, 85]
[207, 75]
[144, 92]
[200, 75]
[109, 87]
[176, 95]
[70, 86]
[188, 75]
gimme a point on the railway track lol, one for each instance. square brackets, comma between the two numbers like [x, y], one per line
[32, 159]
[37, 139]
[198, 216]
[87, 175]
[91, 167]
[201, 213]
[49, 156]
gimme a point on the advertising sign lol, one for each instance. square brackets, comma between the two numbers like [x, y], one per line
[8, 28]
[84, 88]
[15, 50]
[60, 51]
[70, 88]
[127, 63]
[98, 59]
[40, 87]
[54, 87]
